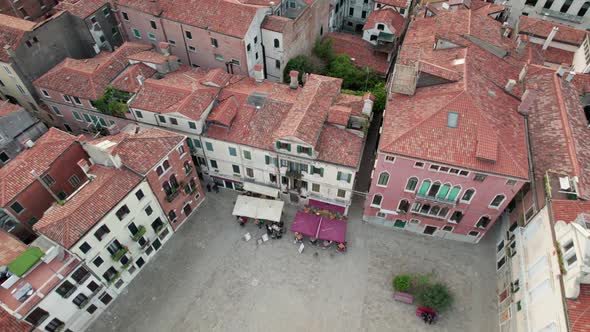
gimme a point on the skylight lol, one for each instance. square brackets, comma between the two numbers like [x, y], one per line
[453, 119]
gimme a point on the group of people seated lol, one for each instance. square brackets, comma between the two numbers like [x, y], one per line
[325, 245]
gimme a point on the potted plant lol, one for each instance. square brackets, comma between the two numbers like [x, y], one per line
[436, 297]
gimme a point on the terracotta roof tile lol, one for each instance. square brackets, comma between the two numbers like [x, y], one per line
[88, 78]
[339, 115]
[395, 3]
[568, 210]
[394, 21]
[10, 248]
[360, 50]
[558, 130]
[67, 224]
[16, 175]
[339, 146]
[275, 23]
[542, 28]
[151, 7]
[150, 57]
[12, 31]
[81, 8]
[578, 310]
[225, 112]
[141, 148]
[7, 107]
[10, 324]
[554, 55]
[127, 80]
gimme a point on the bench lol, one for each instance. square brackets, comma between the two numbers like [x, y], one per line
[403, 297]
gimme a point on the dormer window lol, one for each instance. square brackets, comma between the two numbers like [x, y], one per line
[452, 119]
[302, 149]
[283, 146]
[380, 27]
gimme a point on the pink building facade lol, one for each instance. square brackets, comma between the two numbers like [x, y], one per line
[462, 208]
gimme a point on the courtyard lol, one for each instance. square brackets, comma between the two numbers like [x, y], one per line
[207, 278]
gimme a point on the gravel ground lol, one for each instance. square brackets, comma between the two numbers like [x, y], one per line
[208, 279]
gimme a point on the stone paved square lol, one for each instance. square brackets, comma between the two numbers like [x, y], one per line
[208, 279]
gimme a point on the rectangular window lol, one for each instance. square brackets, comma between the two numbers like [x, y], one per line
[188, 35]
[172, 42]
[74, 180]
[20, 88]
[151, 36]
[37, 317]
[148, 210]
[180, 150]
[174, 121]
[247, 155]
[153, 25]
[45, 93]
[236, 169]
[122, 212]
[341, 193]
[8, 71]
[214, 42]
[315, 187]
[192, 49]
[85, 247]
[197, 143]
[80, 300]
[364, 14]
[48, 180]
[452, 119]
[17, 207]
[278, 64]
[419, 164]
[138, 114]
[213, 163]
[139, 194]
[101, 232]
[317, 170]
[77, 101]
[389, 159]
[479, 177]
[105, 298]
[87, 117]
[511, 183]
[56, 111]
[219, 57]
[250, 172]
[136, 33]
[344, 177]
[232, 151]
[125, 16]
[54, 326]
[192, 125]
[209, 146]
[66, 289]
[351, 12]
[77, 115]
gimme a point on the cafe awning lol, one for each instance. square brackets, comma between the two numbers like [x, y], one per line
[258, 208]
[260, 189]
[305, 223]
[319, 227]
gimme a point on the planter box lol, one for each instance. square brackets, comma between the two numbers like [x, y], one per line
[403, 297]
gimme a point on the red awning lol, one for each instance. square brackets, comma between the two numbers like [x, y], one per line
[319, 227]
[327, 206]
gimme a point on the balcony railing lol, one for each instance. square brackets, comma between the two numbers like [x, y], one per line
[172, 195]
[119, 254]
[437, 199]
[139, 234]
[562, 16]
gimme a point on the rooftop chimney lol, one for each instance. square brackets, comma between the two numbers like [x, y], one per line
[510, 85]
[140, 79]
[83, 163]
[294, 84]
[368, 101]
[521, 43]
[570, 76]
[258, 72]
[523, 72]
[164, 48]
[550, 38]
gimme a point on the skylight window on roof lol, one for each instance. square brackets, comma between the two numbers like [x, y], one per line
[453, 119]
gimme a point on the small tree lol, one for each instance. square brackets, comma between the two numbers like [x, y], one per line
[380, 97]
[323, 49]
[113, 102]
[436, 297]
[401, 282]
[301, 63]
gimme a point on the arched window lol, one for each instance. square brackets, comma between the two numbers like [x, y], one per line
[483, 222]
[277, 43]
[434, 211]
[548, 4]
[172, 215]
[566, 6]
[443, 192]
[443, 212]
[584, 9]
[411, 184]
[173, 182]
[380, 27]
[377, 200]
[166, 164]
[425, 208]
[403, 206]
[159, 170]
[383, 179]
[167, 189]
[187, 167]
[454, 193]
[434, 189]
[468, 195]
[424, 188]
[498, 200]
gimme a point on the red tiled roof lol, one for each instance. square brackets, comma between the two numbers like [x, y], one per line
[568, 210]
[355, 103]
[391, 18]
[578, 310]
[9, 323]
[339, 115]
[10, 248]
[486, 8]
[559, 136]
[275, 23]
[542, 28]
[225, 112]
[178, 92]
[310, 110]
[490, 135]
[88, 78]
[69, 223]
[360, 50]
[7, 107]
[149, 57]
[221, 16]
[554, 55]
[339, 146]
[16, 175]
[127, 80]
[141, 148]
[81, 8]
[12, 31]
[151, 7]
[395, 3]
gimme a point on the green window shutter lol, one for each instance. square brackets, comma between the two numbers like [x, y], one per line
[424, 188]
[276, 162]
[209, 146]
[339, 176]
[299, 149]
[197, 143]
[322, 172]
[278, 145]
[288, 147]
[190, 143]
[444, 190]
[309, 152]
[348, 177]
[267, 160]
[454, 193]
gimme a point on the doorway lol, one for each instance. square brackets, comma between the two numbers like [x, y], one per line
[229, 184]
[187, 209]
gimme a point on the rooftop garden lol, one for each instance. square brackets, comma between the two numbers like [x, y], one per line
[113, 102]
[25, 261]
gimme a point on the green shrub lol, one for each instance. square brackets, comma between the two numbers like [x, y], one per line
[402, 282]
[436, 297]
[301, 63]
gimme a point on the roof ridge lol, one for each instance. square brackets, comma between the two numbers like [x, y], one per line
[566, 124]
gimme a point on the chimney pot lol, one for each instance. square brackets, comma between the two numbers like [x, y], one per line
[258, 72]
[562, 69]
[510, 85]
[294, 84]
[570, 76]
